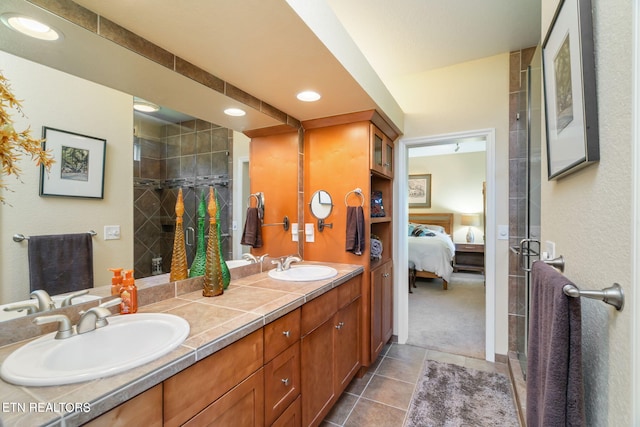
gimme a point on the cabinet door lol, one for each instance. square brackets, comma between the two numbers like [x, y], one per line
[347, 342]
[144, 409]
[381, 307]
[291, 417]
[241, 406]
[317, 373]
[387, 158]
[377, 149]
[377, 280]
[387, 303]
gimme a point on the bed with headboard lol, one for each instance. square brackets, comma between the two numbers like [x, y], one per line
[431, 247]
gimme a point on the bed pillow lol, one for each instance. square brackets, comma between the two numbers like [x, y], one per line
[436, 228]
[419, 230]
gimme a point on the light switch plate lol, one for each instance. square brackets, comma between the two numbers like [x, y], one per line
[503, 232]
[309, 232]
[294, 232]
[111, 232]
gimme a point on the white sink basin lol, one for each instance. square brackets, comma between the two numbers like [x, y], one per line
[304, 273]
[127, 342]
[233, 263]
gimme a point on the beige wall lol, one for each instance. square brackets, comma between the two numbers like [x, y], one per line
[469, 96]
[456, 186]
[58, 100]
[588, 216]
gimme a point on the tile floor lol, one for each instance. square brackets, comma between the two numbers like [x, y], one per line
[382, 396]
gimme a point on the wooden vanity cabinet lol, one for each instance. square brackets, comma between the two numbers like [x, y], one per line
[330, 349]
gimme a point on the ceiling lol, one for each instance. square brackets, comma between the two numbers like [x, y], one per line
[351, 51]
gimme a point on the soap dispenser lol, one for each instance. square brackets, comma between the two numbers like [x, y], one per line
[116, 281]
[129, 294]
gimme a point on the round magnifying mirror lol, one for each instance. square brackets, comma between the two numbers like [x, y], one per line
[321, 204]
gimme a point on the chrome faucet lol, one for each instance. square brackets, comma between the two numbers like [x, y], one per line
[252, 258]
[39, 302]
[249, 257]
[67, 300]
[45, 303]
[286, 264]
[94, 318]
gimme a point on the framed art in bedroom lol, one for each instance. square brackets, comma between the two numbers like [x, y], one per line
[78, 170]
[419, 191]
[570, 90]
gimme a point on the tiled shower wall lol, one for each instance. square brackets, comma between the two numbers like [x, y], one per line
[191, 155]
[519, 61]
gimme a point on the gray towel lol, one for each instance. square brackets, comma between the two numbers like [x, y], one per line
[60, 263]
[555, 392]
[355, 229]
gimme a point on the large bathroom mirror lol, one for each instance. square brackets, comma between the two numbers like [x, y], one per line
[87, 84]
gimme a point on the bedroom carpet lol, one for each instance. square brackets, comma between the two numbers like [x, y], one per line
[452, 395]
[452, 321]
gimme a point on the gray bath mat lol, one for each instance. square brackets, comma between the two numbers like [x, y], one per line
[451, 395]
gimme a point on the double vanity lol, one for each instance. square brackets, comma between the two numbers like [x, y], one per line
[277, 347]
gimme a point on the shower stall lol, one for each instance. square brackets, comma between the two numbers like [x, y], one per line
[525, 156]
[169, 155]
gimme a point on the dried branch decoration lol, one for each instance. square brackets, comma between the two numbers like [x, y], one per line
[14, 144]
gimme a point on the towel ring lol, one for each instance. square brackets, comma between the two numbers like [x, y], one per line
[357, 191]
[257, 200]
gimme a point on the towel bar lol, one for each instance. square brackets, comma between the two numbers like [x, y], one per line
[612, 295]
[284, 223]
[21, 237]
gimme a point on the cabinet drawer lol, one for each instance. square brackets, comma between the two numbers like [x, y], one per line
[462, 247]
[281, 382]
[280, 334]
[316, 312]
[349, 291]
[291, 417]
[190, 391]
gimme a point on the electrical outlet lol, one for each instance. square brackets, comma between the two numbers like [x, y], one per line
[111, 232]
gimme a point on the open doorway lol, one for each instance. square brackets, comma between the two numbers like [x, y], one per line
[446, 240]
[489, 229]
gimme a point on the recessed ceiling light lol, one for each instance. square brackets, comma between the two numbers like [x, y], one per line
[236, 112]
[145, 106]
[30, 27]
[308, 96]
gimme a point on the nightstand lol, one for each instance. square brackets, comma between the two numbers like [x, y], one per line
[469, 257]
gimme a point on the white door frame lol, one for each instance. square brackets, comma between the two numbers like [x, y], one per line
[634, 304]
[401, 305]
[239, 205]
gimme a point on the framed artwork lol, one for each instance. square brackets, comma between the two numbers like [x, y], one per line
[78, 170]
[570, 90]
[420, 191]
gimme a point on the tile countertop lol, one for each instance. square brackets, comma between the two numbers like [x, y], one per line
[247, 305]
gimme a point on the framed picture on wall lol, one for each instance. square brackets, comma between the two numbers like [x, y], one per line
[570, 90]
[420, 191]
[78, 170]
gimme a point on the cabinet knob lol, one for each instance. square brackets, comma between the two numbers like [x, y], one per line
[285, 381]
[340, 325]
[286, 333]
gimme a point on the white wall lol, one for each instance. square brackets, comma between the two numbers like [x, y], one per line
[469, 96]
[588, 216]
[58, 100]
[456, 186]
